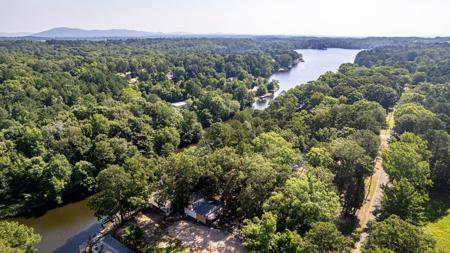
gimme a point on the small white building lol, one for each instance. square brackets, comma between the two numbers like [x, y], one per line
[180, 104]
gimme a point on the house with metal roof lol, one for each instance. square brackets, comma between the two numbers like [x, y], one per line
[204, 210]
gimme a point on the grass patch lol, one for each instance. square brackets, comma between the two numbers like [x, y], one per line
[371, 186]
[438, 214]
[390, 120]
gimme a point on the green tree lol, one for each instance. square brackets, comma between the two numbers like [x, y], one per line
[351, 165]
[17, 238]
[301, 202]
[258, 181]
[403, 160]
[31, 143]
[290, 242]
[167, 140]
[319, 157]
[133, 235]
[84, 175]
[100, 124]
[403, 200]
[118, 193]
[439, 145]
[274, 147]
[367, 140]
[103, 153]
[399, 236]
[190, 128]
[325, 237]
[419, 77]
[57, 177]
[411, 108]
[180, 174]
[260, 235]
[218, 135]
[377, 250]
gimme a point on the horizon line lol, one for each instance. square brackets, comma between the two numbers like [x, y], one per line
[30, 34]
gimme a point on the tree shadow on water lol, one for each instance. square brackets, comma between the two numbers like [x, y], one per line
[72, 244]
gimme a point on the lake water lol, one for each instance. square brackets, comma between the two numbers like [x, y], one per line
[316, 62]
[64, 228]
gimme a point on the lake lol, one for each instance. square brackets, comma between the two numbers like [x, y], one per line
[64, 228]
[316, 62]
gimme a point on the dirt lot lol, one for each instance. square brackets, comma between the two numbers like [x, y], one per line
[198, 237]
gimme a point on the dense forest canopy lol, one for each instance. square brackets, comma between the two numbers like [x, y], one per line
[273, 41]
[427, 62]
[70, 108]
[83, 118]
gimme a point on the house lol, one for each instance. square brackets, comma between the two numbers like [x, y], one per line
[204, 210]
[169, 76]
[298, 167]
[254, 89]
[181, 104]
[109, 244]
[166, 208]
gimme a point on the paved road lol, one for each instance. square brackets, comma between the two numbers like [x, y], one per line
[365, 213]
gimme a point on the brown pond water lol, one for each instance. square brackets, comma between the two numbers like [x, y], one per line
[64, 228]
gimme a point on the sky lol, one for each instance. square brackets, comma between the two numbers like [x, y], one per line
[280, 17]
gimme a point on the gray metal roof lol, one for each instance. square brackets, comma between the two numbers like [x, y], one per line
[207, 207]
[112, 245]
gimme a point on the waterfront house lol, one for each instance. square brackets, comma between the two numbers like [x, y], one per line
[204, 210]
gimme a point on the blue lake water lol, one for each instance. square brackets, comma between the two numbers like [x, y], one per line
[316, 62]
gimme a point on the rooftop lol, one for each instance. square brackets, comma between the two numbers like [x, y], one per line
[179, 104]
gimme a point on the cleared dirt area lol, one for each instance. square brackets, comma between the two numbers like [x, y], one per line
[201, 238]
[150, 222]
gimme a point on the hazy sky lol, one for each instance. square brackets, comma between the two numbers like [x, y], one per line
[300, 17]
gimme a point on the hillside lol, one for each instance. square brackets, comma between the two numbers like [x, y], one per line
[64, 32]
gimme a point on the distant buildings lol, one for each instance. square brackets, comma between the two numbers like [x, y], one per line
[180, 104]
[233, 78]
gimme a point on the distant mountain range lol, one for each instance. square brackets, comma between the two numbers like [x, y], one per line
[76, 33]
[64, 32]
